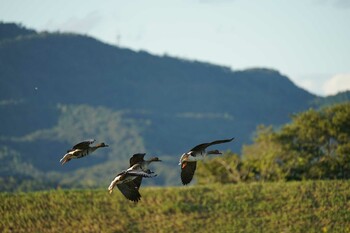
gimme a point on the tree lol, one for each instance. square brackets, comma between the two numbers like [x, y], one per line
[262, 160]
[221, 169]
[314, 145]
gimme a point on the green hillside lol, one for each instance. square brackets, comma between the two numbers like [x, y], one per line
[321, 206]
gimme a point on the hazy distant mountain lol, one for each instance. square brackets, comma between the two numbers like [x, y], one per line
[57, 89]
[332, 99]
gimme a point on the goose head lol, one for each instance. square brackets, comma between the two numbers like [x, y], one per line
[214, 152]
[102, 144]
[155, 159]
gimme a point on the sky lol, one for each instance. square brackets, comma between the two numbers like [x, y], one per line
[306, 40]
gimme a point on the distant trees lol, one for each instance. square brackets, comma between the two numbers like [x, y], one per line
[221, 169]
[34, 164]
[262, 160]
[315, 145]
[12, 30]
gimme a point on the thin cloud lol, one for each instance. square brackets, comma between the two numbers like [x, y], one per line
[336, 84]
[79, 25]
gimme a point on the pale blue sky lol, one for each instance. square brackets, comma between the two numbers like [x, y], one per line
[307, 40]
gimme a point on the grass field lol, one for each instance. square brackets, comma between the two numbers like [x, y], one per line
[321, 206]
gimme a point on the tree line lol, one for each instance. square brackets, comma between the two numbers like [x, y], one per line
[314, 145]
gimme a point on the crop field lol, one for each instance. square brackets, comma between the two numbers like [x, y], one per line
[310, 206]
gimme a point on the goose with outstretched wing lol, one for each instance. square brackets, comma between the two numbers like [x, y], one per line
[125, 182]
[188, 160]
[81, 149]
[139, 159]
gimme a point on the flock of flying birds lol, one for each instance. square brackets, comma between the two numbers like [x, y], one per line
[129, 180]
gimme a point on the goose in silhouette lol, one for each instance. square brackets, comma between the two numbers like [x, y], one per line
[80, 150]
[139, 159]
[125, 182]
[188, 161]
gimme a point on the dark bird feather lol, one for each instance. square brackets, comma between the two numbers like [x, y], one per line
[187, 171]
[203, 146]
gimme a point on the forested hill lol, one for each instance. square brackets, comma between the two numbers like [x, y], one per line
[57, 89]
[12, 30]
[72, 69]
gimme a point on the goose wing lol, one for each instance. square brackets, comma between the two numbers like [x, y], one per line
[137, 158]
[130, 191]
[138, 181]
[203, 146]
[187, 171]
[83, 145]
[140, 174]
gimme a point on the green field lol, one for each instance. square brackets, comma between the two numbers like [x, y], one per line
[320, 206]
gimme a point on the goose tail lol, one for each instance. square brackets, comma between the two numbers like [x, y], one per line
[65, 159]
[112, 185]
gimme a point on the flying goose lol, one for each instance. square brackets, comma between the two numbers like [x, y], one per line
[81, 150]
[125, 182]
[139, 159]
[188, 161]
